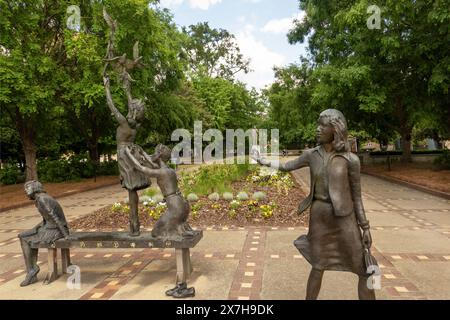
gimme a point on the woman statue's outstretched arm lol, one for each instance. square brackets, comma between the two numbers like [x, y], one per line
[300, 162]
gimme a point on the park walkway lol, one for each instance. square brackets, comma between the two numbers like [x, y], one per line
[410, 229]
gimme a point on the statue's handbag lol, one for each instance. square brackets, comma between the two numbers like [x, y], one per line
[370, 262]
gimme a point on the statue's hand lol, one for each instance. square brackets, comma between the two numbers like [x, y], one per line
[367, 239]
[255, 156]
[69, 237]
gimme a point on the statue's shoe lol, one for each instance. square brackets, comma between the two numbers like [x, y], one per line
[179, 286]
[184, 293]
[31, 277]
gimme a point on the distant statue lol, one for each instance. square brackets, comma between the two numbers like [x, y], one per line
[131, 179]
[53, 227]
[173, 223]
[339, 236]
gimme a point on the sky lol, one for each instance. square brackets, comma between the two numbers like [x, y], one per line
[260, 28]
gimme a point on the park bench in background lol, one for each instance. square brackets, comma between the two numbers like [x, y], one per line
[118, 240]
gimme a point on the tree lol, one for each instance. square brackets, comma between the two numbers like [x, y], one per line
[29, 73]
[228, 104]
[51, 76]
[291, 110]
[391, 74]
[213, 52]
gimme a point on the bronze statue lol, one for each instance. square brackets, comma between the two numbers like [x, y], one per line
[173, 223]
[339, 233]
[131, 179]
[53, 227]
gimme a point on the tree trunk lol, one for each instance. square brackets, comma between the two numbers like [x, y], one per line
[28, 139]
[406, 144]
[93, 154]
[402, 116]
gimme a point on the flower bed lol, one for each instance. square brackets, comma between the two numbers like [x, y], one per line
[254, 196]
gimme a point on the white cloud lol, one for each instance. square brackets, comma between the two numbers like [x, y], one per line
[200, 4]
[262, 59]
[170, 3]
[203, 4]
[282, 26]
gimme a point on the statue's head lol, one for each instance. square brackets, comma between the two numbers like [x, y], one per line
[163, 153]
[33, 187]
[333, 129]
[136, 112]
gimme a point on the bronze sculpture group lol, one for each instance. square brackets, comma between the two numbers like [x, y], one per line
[339, 236]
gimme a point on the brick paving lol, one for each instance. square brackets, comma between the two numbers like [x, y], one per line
[410, 229]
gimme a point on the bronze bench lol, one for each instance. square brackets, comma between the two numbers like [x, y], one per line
[118, 240]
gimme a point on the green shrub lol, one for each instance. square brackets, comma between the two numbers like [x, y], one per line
[258, 196]
[151, 192]
[11, 174]
[158, 198]
[76, 167]
[214, 196]
[145, 198]
[443, 161]
[228, 196]
[108, 168]
[213, 178]
[242, 196]
[192, 197]
[399, 153]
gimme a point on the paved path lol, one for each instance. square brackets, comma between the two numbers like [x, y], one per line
[410, 229]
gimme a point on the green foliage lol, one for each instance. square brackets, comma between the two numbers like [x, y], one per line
[267, 210]
[120, 208]
[291, 109]
[151, 192]
[242, 196]
[75, 167]
[232, 213]
[10, 174]
[384, 80]
[443, 161]
[259, 196]
[399, 153]
[51, 77]
[212, 178]
[226, 104]
[213, 52]
[228, 196]
[234, 205]
[214, 196]
[192, 197]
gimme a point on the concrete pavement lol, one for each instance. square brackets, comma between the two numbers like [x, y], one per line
[410, 229]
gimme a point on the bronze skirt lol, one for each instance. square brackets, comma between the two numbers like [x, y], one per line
[130, 177]
[332, 243]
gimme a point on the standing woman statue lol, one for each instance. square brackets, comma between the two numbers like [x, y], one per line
[339, 234]
[130, 178]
